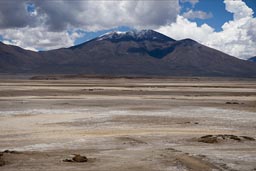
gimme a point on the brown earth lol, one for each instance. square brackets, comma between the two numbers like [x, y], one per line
[127, 124]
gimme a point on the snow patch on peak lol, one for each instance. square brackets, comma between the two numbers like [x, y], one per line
[134, 35]
[110, 35]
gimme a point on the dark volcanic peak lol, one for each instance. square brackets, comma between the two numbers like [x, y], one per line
[135, 35]
[134, 53]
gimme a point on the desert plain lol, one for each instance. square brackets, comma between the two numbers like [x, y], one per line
[121, 124]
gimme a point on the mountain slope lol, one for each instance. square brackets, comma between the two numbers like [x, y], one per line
[15, 59]
[134, 53]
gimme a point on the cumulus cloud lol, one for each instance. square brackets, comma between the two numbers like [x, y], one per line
[14, 14]
[239, 9]
[237, 38]
[38, 38]
[183, 28]
[89, 15]
[197, 14]
[31, 18]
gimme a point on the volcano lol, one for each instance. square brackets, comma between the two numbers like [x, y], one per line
[133, 53]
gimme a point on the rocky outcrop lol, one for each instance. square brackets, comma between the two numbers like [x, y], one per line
[77, 158]
[211, 139]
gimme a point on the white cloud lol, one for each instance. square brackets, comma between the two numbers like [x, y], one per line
[196, 14]
[183, 28]
[89, 15]
[38, 38]
[238, 8]
[237, 38]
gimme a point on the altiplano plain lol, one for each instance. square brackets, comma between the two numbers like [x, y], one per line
[121, 124]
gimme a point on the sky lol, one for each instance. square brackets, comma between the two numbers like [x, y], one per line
[226, 25]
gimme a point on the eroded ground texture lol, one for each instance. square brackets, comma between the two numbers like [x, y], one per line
[128, 124]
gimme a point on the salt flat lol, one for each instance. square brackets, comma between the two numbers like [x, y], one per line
[127, 124]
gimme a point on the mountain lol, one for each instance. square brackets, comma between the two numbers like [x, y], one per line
[15, 59]
[133, 53]
[252, 59]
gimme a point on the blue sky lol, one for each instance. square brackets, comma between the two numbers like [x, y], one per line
[215, 7]
[226, 25]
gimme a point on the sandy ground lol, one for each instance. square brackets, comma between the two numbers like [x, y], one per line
[127, 124]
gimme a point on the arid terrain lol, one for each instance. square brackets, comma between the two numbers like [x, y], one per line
[121, 124]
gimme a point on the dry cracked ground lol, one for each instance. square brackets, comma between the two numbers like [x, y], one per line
[120, 124]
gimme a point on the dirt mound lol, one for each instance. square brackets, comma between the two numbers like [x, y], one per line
[77, 158]
[232, 103]
[11, 152]
[2, 162]
[194, 163]
[211, 139]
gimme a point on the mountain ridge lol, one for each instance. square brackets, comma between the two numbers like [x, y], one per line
[134, 53]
